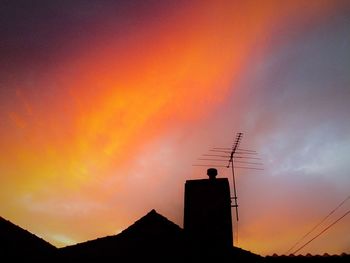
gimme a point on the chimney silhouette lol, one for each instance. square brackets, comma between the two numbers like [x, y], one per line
[207, 211]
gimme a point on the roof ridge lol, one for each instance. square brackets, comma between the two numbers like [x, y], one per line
[152, 213]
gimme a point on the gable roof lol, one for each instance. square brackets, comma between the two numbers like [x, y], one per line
[152, 236]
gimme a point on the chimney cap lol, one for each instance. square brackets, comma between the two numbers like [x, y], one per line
[212, 173]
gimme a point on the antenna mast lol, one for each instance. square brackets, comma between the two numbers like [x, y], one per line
[230, 163]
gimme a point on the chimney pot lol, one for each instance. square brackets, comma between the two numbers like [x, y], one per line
[212, 173]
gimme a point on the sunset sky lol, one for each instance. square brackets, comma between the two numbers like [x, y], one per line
[106, 105]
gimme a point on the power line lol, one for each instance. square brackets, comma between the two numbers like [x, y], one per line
[317, 225]
[324, 230]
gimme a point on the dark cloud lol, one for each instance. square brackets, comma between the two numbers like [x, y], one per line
[39, 30]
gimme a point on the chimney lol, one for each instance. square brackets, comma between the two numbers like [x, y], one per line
[207, 212]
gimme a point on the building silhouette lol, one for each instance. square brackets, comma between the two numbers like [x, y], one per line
[206, 237]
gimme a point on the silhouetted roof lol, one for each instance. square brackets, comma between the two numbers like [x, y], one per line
[153, 236]
[15, 242]
[325, 258]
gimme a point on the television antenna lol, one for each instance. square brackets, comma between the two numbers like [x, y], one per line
[246, 159]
